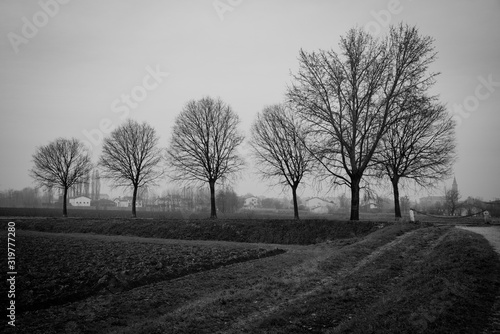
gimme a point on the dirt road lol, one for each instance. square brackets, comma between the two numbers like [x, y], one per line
[492, 234]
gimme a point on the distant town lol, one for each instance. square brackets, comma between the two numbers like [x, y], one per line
[87, 195]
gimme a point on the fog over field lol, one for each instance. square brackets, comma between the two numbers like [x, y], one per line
[81, 68]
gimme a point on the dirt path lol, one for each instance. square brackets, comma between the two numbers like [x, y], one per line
[492, 234]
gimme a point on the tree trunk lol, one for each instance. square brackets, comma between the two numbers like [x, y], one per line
[355, 180]
[213, 208]
[134, 198]
[397, 208]
[65, 208]
[295, 204]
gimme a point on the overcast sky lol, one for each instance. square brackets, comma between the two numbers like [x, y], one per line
[68, 68]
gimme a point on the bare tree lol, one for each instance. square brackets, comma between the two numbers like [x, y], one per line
[452, 198]
[204, 142]
[419, 147]
[349, 98]
[62, 163]
[130, 157]
[279, 146]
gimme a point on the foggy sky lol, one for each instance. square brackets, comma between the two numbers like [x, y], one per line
[78, 68]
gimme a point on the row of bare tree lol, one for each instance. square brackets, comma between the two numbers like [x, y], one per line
[360, 113]
[203, 148]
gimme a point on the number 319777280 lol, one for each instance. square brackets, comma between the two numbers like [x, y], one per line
[11, 251]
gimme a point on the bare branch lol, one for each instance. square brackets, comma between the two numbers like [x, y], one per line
[350, 98]
[203, 146]
[62, 163]
[420, 147]
[279, 147]
[130, 157]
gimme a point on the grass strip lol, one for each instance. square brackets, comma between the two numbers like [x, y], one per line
[276, 231]
[435, 280]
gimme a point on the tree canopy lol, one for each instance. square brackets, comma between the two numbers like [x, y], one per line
[61, 163]
[131, 157]
[349, 98]
[204, 142]
[279, 147]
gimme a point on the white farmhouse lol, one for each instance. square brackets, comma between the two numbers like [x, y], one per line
[80, 201]
[319, 205]
[121, 203]
[252, 202]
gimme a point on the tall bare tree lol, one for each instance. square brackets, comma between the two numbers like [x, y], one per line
[279, 147]
[131, 157]
[420, 146]
[349, 97]
[62, 163]
[203, 146]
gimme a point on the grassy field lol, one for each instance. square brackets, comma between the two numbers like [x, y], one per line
[354, 278]
[279, 231]
[262, 214]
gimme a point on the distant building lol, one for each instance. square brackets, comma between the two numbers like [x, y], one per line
[319, 205]
[170, 202]
[431, 201]
[121, 203]
[454, 185]
[126, 202]
[80, 201]
[370, 205]
[102, 202]
[436, 201]
[251, 202]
